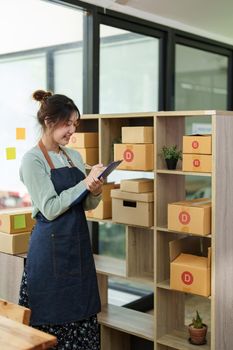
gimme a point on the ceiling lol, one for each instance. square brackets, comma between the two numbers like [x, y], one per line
[209, 18]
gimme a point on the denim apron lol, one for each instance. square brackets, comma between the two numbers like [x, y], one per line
[62, 282]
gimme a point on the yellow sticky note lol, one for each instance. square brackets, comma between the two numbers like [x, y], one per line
[10, 153]
[20, 133]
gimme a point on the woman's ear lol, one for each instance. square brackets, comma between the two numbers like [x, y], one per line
[48, 124]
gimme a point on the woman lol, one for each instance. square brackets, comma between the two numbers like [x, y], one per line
[59, 283]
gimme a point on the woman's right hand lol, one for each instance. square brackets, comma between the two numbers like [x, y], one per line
[94, 185]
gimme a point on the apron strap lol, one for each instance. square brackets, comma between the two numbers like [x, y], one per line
[68, 158]
[45, 153]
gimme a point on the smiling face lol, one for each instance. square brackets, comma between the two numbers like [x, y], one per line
[61, 133]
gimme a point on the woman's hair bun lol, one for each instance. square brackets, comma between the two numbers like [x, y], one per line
[41, 95]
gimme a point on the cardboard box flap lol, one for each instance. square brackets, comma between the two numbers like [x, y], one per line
[200, 202]
[130, 196]
[190, 260]
[189, 245]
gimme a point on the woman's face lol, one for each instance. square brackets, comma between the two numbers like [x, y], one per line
[62, 133]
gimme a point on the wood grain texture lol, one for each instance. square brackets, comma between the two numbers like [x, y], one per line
[15, 312]
[103, 288]
[140, 253]
[14, 335]
[127, 321]
[11, 274]
[112, 339]
[222, 272]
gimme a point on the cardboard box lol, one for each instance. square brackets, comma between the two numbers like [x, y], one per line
[84, 140]
[198, 144]
[15, 243]
[197, 162]
[136, 157]
[192, 216]
[133, 208]
[104, 208]
[16, 220]
[89, 155]
[103, 211]
[137, 134]
[190, 266]
[137, 185]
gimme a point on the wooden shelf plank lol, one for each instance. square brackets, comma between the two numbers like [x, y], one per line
[165, 229]
[166, 285]
[180, 172]
[118, 115]
[179, 340]
[193, 113]
[127, 321]
[109, 266]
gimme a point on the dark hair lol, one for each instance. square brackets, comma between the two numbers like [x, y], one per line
[55, 108]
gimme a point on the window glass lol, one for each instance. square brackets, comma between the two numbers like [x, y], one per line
[43, 49]
[128, 71]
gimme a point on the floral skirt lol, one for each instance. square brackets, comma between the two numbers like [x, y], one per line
[80, 335]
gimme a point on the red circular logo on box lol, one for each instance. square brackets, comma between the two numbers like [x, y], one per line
[128, 155]
[187, 277]
[196, 163]
[73, 139]
[184, 218]
[195, 144]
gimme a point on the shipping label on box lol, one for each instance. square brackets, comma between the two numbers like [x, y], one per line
[137, 185]
[133, 208]
[16, 220]
[15, 243]
[135, 156]
[190, 266]
[192, 216]
[84, 140]
[198, 144]
[137, 134]
[197, 163]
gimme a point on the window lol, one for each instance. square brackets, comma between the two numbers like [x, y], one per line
[49, 58]
[128, 71]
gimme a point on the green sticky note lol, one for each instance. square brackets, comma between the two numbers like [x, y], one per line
[10, 153]
[19, 221]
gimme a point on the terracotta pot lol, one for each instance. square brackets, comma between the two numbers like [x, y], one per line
[197, 335]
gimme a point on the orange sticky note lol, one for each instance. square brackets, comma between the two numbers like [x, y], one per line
[10, 153]
[20, 133]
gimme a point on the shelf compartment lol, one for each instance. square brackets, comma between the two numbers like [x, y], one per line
[110, 132]
[179, 340]
[114, 267]
[140, 253]
[127, 321]
[180, 172]
[165, 229]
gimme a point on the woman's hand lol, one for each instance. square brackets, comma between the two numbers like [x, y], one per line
[94, 185]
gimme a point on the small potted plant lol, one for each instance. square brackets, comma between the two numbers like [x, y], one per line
[197, 331]
[171, 155]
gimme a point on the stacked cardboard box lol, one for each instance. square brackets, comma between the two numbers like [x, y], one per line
[193, 216]
[197, 150]
[104, 209]
[190, 265]
[133, 203]
[136, 149]
[86, 143]
[15, 229]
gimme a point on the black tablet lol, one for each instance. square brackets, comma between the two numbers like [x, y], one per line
[109, 168]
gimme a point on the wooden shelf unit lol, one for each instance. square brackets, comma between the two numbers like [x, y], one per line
[119, 324]
[170, 187]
